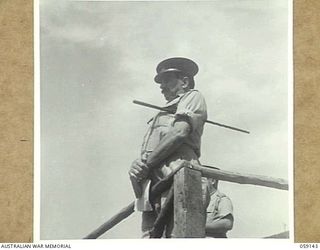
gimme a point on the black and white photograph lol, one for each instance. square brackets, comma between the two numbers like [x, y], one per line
[165, 119]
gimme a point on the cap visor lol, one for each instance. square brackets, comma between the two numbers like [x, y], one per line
[158, 78]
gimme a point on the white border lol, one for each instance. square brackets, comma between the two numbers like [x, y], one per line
[223, 244]
[290, 119]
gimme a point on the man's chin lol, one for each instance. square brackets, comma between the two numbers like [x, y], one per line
[166, 97]
[169, 97]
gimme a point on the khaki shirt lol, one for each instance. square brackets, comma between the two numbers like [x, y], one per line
[190, 105]
[219, 207]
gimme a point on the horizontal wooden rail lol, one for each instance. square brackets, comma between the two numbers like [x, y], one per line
[257, 180]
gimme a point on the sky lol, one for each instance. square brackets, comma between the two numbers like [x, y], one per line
[97, 57]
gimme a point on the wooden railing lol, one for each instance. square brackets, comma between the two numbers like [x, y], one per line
[189, 213]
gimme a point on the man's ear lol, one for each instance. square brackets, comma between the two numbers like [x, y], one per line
[186, 82]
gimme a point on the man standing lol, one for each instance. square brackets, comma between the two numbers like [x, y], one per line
[219, 212]
[172, 137]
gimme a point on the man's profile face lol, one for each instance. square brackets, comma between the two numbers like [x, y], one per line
[213, 184]
[171, 86]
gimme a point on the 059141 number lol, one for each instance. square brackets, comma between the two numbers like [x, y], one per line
[308, 245]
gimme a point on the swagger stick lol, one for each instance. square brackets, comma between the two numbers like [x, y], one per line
[170, 111]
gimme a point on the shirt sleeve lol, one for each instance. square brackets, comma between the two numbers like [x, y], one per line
[225, 207]
[193, 107]
[219, 208]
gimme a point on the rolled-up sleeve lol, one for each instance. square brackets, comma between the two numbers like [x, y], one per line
[219, 208]
[225, 207]
[193, 107]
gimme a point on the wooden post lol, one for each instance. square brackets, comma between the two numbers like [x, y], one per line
[189, 212]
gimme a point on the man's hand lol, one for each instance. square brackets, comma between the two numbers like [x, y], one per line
[138, 170]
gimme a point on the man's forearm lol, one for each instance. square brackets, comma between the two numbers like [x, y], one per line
[169, 143]
[220, 226]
